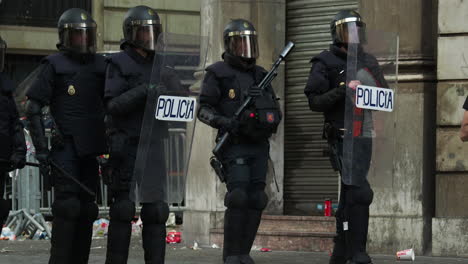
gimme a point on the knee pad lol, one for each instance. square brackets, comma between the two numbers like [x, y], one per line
[236, 198]
[122, 211]
[258, 200]
[155, 213]
[69, 209]
[362, 195]
[4, 209]
[89, 211]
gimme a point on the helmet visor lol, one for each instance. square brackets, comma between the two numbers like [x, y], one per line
[351, 32]
[145, 35]
[243, 45]
[2, 55]
[81, 40]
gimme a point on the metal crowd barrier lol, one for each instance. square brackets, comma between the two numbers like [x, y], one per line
[26, 188]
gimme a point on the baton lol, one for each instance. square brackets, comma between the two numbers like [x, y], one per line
[63, 171]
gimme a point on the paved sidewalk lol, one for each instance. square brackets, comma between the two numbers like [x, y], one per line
[36, 252]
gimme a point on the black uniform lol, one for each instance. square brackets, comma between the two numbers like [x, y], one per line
[326, 93]
[245, 156]
[73, 87]
[128, 76]
[12, 143]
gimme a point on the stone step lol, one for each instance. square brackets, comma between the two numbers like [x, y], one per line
[292, 223]
[285, 240]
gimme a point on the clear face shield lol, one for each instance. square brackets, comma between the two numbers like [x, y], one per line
[243, 44]
[80, 39]
[2, 55]
[350, 30]
[145, 33]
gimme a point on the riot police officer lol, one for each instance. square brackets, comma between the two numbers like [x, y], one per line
[12, 143]
[326, 92]
[72, 85]
[245, 157]
[127, 80]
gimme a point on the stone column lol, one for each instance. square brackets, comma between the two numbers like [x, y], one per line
[98, 16]
[403, 204]
[204, 192]
[449, 236]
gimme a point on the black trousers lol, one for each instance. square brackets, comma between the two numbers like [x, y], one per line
[4, 205]
[246, 168]
[122, 212]
[352, 216]
[74, 209]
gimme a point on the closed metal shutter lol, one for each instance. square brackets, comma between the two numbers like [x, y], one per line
[309, 178]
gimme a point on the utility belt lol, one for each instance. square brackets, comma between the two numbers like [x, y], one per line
[332, 133]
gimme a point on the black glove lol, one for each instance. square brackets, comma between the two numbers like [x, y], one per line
[17, 161]
[44, 164]
[229, 124]
[255, 91]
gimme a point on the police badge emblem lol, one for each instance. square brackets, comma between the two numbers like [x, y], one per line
[71, 90]
[232, 93]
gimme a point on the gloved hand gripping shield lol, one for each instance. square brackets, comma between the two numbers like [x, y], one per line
[169, 120]
[370, 117]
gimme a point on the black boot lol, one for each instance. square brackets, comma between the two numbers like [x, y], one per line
[360, 258]
[154, 243]
[83, 234]
[250, 232]
[340, 254]
[118, 241]
[358, 230]
[234, 222]
[339, 250]
[61, 249]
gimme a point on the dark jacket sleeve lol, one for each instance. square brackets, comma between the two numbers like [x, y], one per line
[209, 99]
[41, 89]
[19, 142]
[39, 94]
[322, 96]
[121, 99]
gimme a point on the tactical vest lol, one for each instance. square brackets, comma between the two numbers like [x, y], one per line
[335, 66]
[262, 118]
[135, 74]
[76, 103]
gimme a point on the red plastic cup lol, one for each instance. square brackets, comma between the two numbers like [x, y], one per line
[328, 207]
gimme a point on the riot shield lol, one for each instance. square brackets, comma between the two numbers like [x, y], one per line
[169, 119]
[370, 122]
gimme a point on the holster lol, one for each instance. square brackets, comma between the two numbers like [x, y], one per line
[333, 135]
[218, 168]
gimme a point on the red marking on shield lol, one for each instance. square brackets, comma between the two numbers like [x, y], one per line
[270, 117]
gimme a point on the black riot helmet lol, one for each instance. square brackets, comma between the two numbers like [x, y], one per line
[141, 28]
[77, 31]
[347, 27]
[240, 39]
[3, 47]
